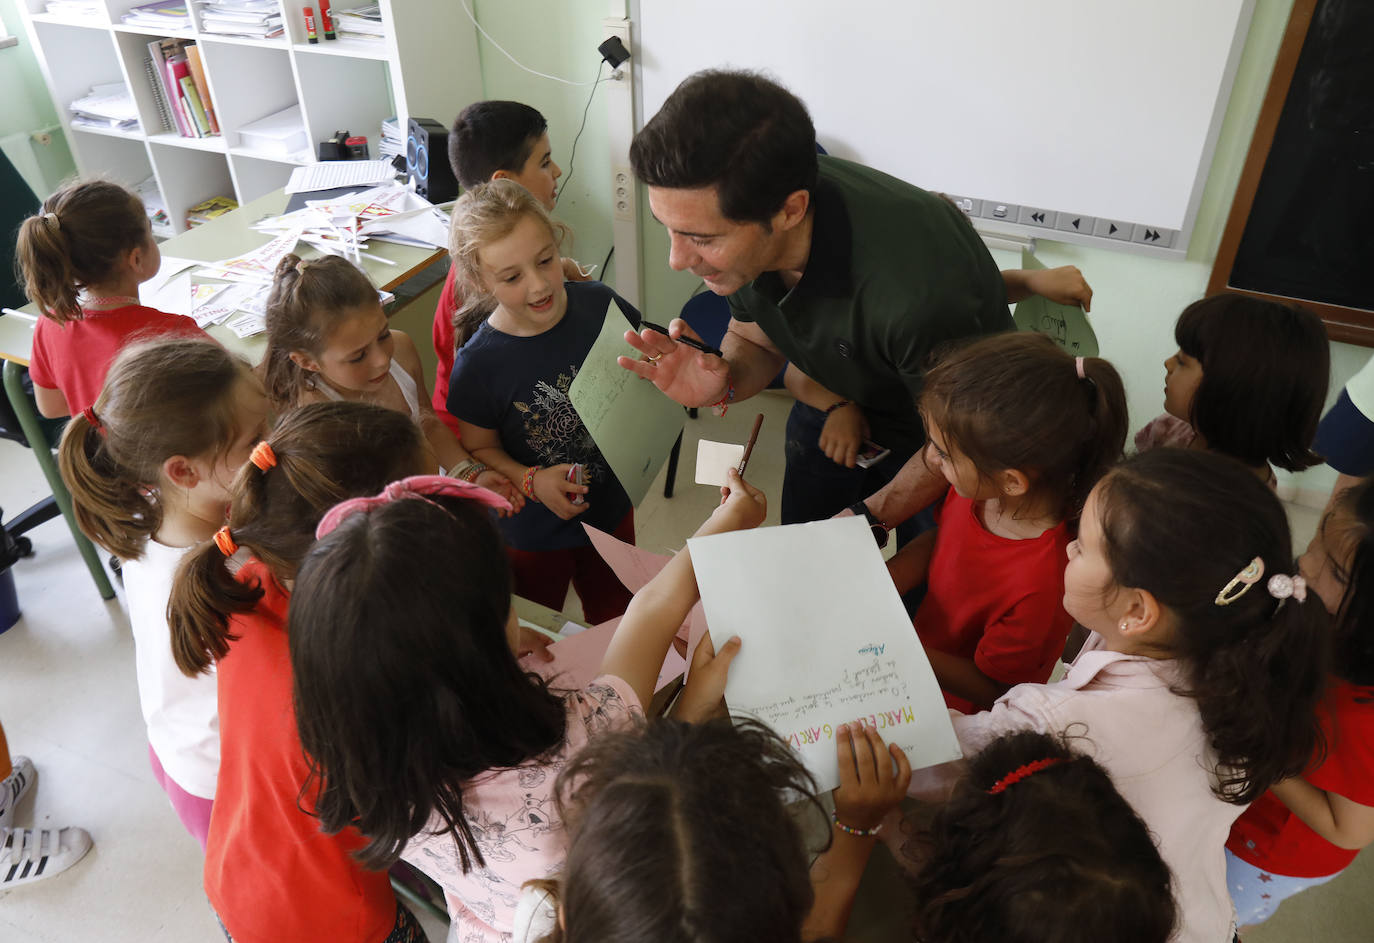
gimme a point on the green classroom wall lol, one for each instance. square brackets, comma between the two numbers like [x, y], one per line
[28, 108]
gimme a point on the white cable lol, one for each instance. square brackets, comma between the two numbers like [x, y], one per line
[542, 75]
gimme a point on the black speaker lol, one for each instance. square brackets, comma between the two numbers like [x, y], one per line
[427, 160]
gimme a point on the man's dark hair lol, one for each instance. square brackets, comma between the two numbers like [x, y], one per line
[490, 136]
[739, 132]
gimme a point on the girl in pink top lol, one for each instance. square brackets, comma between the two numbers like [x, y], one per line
[1197, 687]
[83, 259]
[422, 728]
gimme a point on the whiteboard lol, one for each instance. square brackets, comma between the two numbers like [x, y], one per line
[1104, 111]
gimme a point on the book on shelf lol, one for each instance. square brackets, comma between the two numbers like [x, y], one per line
[207, 210]
[179, 70]
[164, 111]
[191, 96]
[202, 86]
[182, 96]
[169, 15]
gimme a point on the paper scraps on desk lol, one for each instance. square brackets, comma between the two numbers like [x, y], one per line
[631, 422]
[259, 264]
[715, 459]
[825, 640]
[1066, 325]
[391, 213]
[577, 659]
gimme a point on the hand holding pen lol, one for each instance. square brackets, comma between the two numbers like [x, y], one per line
[678, 363]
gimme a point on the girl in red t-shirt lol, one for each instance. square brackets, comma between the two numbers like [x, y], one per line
[1306, 830]
[270, 873]
[1022, 431]
[82, 260]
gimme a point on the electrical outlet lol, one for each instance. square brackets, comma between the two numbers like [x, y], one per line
[623, 194]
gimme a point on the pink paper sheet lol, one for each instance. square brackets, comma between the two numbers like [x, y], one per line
[577, 659]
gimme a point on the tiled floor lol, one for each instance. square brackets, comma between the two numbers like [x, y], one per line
[68, 700]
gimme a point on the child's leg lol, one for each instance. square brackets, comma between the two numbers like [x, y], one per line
[17, 779]
[6, 767]
[603, 596]
[193, 811]
[1258, 893]
[542, 576]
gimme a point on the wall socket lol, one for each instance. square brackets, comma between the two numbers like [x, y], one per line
[622, 193]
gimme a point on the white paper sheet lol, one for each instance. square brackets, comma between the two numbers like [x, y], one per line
[158, 291]
[825, 640]
[327, 174]
[714, 459]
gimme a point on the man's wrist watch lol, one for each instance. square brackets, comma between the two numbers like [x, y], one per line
[875, 523]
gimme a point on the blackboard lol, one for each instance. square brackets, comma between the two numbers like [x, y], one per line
[1302, 224]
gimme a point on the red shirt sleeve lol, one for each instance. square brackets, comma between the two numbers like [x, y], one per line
[39, 355]
[442, 334]
[1025, 642]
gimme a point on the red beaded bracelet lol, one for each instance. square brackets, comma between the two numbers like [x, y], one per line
[856, 832]
[720, 408]
[527, 485]
[840, 405]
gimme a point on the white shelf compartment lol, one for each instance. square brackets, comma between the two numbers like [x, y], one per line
[188, 177]
[360, 112]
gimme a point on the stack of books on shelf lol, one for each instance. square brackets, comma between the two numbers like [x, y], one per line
[207, 210]
[254, 19]
[77, 11]
[164, 16]
[177, 77]
[363, 23]
[156, 207]
[106, 107]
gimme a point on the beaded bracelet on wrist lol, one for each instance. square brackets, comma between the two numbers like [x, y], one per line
[840, 405]
[468, 471]
[856, 832]
[527, 485]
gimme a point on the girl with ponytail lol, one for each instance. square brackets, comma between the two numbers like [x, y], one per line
[149, 468]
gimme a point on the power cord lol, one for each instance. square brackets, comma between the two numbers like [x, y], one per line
[572, 158]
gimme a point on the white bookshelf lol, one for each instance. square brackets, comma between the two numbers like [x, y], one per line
[426, 66]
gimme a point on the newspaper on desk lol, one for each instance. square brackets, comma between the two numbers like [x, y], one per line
[391, 213]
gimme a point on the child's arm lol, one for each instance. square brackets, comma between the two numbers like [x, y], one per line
[52, 404]
[910, 565]
[963, 678]
[869, 790]
[1343, 823]
[657, 611]
[1064, 285]
[551, 485]
[846, 427]
[447, 449]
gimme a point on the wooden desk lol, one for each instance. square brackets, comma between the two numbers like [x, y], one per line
[226, 237]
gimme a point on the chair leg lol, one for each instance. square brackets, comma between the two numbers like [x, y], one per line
[671, 478]
[28, 421]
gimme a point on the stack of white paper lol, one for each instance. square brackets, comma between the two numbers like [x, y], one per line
[106, 106]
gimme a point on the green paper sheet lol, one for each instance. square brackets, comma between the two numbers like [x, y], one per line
[632, 423]
[1066, 324]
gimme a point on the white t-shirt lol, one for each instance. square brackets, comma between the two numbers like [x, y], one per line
[182, 713]
[1360, 389]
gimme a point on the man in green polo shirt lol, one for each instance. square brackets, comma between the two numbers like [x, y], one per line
[852, 275]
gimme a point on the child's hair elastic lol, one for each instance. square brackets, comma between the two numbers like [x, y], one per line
[225, 542]
[94, 420]
[417, 486]
[52, 219]
[1021, 772]
[262, 456]
[1280, 585]
[856, 832]
[1078, 365]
